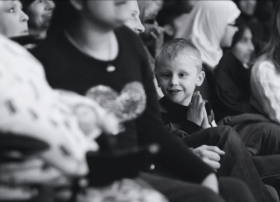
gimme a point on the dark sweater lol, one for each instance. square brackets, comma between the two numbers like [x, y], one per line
[173, 113]
[68, 68]
[232, 88]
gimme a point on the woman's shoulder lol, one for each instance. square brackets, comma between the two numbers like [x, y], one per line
[227, 62]
[262, 66]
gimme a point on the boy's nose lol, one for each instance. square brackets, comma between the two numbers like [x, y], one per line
[174, 81]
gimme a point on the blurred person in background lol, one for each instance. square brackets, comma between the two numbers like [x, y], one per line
[39, 13]
[258, 15]
[13, 21]
[210, 27]
[232, 83]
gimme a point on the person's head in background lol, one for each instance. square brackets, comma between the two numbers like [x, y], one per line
[13, 21]
[134, 22]
[210, 26]
[153, 33]
[39, 13]
[271, 50]
[242, 45]
[179, 70]
[247, 7]
[167, 18]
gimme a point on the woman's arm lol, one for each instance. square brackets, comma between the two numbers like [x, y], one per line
[265, 85]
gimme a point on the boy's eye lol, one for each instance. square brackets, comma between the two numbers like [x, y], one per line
[183, 75]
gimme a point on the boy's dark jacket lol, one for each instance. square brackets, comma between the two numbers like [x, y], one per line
[175, 117]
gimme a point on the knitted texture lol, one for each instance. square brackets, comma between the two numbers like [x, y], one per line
[265, 85]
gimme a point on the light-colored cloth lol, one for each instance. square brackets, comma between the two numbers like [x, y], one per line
[205, 26]
[265, 86]
[125, 190]
[30, 107]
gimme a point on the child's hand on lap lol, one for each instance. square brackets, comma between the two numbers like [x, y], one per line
[196, 109]
[210, 155]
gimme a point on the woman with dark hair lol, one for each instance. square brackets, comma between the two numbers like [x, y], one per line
[95, 55]
[232, 76]
[265, 75]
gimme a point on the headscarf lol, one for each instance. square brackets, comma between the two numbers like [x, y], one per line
[205, 26]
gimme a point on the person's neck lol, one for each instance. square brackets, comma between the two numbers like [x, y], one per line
[94, 40]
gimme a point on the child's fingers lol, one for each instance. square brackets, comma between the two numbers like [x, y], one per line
[199, 97]
[216, 150]
[195, 99]
[201, 107]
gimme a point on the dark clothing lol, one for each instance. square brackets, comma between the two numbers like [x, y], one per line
[236, 162]
[232, 88]
[66, 67]
[173, 113]
[175, 190]
[258, 133]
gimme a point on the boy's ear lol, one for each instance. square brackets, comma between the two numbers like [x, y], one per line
[77, 4]
[169, 30]
[200, 78]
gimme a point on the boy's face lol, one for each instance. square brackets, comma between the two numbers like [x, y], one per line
[179, 78]
[13, 21]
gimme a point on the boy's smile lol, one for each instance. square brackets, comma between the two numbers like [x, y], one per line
[178, 79]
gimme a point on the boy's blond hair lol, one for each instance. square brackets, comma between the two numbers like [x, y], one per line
[178, 48]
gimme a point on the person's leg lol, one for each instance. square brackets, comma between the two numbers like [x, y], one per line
[236, 162]
[263, 137]
[234, 190]
[179, 191]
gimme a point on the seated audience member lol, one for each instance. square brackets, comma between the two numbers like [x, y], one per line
[13, 21]
[257, 14]
[39, 13]
[167, 18]
[115, 69]
[153, 34]
[210, 27]
[135, 24]
[44, 133]
[179, 71]
[265, 75]
[232, 77]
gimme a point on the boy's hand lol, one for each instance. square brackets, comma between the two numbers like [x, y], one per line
[195, 111]
[210, 155]
[205, 121]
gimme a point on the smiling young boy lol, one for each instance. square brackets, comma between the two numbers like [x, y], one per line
[184, 112]
[179, 72]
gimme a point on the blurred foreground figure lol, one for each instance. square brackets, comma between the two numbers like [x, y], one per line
[44, 134]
